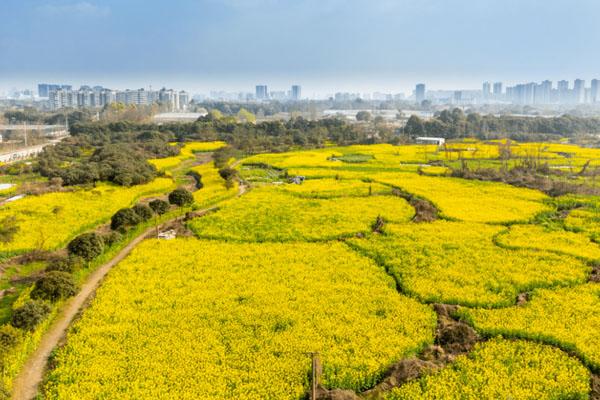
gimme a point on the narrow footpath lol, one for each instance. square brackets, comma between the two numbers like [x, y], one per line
[25, 385]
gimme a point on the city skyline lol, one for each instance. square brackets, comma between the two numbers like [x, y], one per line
[354, 45]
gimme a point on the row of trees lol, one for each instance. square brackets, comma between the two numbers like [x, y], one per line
[58, 283]
[454, 123]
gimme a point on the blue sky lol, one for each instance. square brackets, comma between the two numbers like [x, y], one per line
[322, 44]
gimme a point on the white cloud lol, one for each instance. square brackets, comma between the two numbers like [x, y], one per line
[79, 9]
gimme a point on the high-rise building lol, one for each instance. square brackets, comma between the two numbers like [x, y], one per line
[296, 92]
[184, 100]
[420, 92]
[44, 89]
[564, 93]
[262, 92]
[486, 90]
[595, 91]
[542, 92]
[579, 91]
[497, 89]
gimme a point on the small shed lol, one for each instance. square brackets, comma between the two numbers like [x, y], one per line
[431, 140]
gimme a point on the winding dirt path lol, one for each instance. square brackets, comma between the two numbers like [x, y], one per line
[25, 385]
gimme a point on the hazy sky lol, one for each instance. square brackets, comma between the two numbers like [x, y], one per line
[361, 45]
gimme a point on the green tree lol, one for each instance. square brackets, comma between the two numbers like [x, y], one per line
[363, 116]
[159, 206]
[414, 126]
[143, 211]
[124, 218]
[87, 246]
[246, 116]
[29, 315]
[54, 286]
[181, 197]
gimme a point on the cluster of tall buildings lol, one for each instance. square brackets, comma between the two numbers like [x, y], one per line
[262, 93]
[546, 93]
[63, 96]
[532, 93]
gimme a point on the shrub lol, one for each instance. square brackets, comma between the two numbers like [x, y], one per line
[124, 218]
[87, 246]
[112, 238]
[9, 336]
[143, 211]
[8, 229]
[28, 316]
[181, 197]
[159, 206]
[53, 286]
[65, 264]
[227, 173]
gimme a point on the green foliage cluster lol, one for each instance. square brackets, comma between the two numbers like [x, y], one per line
[87, 246]
[181, 197]
[455, 123]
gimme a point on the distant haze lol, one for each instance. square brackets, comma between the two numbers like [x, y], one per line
[323, 45]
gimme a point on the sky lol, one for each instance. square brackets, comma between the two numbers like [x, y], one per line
[323, 45]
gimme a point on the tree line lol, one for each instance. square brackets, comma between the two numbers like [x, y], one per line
[452, 124]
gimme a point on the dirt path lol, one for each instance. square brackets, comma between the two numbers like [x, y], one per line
[26, 384]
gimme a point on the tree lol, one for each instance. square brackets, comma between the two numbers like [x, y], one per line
[181, 197]
[143, 211]
[124, 218]
[246, 116]
[64, 264]
[54, 286]
[159, 206]
[363, 116]
[227, 173]
[8, 229]
[87, 246]
[29, 315]
[414, 126]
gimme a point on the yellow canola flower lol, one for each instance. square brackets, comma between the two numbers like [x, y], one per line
[187, 152]
[458, 263]
[538, 237]
[332, 188]
[567, 317]
[214, 189]
[50, 220]
[470, 200]
[269, 214]
[192, 319]
[503, 369]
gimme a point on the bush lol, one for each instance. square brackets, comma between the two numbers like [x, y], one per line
[159, 206]
[143, 211]
[227, 173]
[28, 316]
[112, 238]
[181, 197]
[53, 286]
[65, 264]
[87, 246]
[9, 336]
[124, 218]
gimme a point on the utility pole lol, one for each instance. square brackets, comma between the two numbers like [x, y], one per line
[25, 131]
[315, 375]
